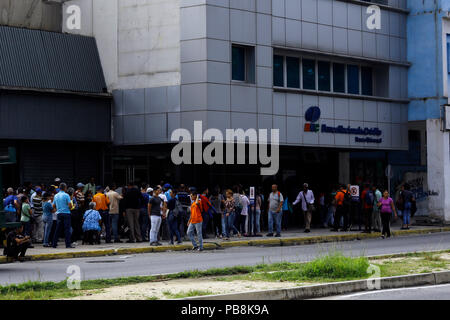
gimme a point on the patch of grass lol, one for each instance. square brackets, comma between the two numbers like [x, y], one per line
[327, 268]
[185, 294]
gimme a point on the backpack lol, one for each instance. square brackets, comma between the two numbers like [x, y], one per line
[9, 204]
[347, 199]
[369, 198]
[238, 205]
[178, 209]
[400, 204]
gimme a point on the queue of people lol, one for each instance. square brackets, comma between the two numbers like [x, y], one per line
[90, 212]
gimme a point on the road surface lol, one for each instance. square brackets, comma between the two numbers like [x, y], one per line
[172, 262]
[440, 292]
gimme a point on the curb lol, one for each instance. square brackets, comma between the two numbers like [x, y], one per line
[335, 289]
[231, 244]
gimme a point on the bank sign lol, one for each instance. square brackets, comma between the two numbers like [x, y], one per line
[312, 116]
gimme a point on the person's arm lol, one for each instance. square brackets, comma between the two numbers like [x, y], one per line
[16, 204]
[299, 199]
[281, 203]
[313, 199]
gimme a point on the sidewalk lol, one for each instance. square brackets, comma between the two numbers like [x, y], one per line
[288, 238]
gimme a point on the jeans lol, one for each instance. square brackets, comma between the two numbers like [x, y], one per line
[341, 212]
[38, 228]
[48, 222]
[107, 222]
[330, 216]
[63, 222]
[407, 213]
[173, 227]
[257, 223]
[243, 224]
[274, 216]
[229, 224]
[224, 225]
[155, 225]
[196, 227]
[206, 217]
[376, 219]
[27, 228]
[114, 221]
[144, 221]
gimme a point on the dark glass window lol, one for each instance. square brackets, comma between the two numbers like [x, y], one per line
[366, 81]
[309, 74]
[339, 77]
[238, 62]
[278, 72]
[353, 79]
[323, 70]
[293, 72]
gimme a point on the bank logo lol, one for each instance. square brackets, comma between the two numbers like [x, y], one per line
[312, 115]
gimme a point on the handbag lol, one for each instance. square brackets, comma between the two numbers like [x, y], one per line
[310, 206]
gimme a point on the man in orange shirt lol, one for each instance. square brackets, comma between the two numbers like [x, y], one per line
[195, 222]
[341, 209]
[102, 206]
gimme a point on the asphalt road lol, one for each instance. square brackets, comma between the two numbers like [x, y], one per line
[172, 262]
[441, 292]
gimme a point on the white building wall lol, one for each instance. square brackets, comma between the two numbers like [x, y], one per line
[139, 41]
[438, 156]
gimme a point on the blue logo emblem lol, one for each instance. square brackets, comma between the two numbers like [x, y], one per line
[312, 114]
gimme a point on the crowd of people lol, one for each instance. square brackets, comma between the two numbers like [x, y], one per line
[91, 213]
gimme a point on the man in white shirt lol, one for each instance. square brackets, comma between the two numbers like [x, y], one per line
[306, 197]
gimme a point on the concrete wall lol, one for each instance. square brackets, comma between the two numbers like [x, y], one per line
[32, 14]
[139, 41]
[323, 27]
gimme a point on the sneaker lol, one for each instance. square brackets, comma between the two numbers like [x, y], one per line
[131, 241]
[307, 231]
[70, 247]
[269, 235]
[194, 248]
[159, 244]
[278, 235]
[180, 242]
[334, 230]
[118, 241]
[200, 249]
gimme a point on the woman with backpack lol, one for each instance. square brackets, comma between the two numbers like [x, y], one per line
[175, 211]
[408, 201]
[218, 202]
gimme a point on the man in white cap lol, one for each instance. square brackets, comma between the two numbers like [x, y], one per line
[306, 197]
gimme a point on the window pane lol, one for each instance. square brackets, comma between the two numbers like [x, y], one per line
[293, 72]
[278, 73]
[353, 79]
[309, 74]
[324, 75]
[338, 77]
[238, 62]
[366, 81]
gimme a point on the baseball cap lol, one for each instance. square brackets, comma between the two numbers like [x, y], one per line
[80, 185]
[57, 180]
[98, 188]
[306, 185]
[38, 190]
[149, 190]
[167, 186]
